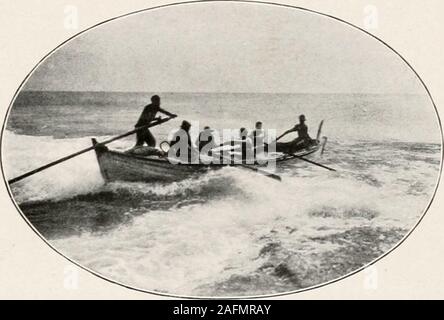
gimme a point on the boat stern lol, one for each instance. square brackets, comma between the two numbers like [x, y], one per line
[100, 150]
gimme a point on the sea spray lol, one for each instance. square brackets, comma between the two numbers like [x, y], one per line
[230, 232]
[186, 250]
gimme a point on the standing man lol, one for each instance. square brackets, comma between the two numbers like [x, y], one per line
[148, 115]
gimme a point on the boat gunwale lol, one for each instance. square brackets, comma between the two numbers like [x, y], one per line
[281, 159]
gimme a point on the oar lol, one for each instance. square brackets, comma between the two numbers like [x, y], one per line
[263, 172]
[282, 135]
[30, 173]
[312, 162]
[257, 170]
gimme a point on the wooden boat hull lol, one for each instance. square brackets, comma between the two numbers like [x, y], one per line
[119, 166]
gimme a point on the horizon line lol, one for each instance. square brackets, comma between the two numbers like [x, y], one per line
[216, 92]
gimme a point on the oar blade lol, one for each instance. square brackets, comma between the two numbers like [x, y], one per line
[274, 176]
[257, 170]
[314, 163]
[263, 172]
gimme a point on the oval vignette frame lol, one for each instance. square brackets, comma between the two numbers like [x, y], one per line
[256, 2]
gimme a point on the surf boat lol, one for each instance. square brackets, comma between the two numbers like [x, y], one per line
[126, 166]
[122, 166]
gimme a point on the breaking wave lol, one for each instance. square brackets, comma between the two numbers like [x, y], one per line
[229, 232]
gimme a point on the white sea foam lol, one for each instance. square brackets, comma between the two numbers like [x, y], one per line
[76, 176]
[180, 250]
[183, 249]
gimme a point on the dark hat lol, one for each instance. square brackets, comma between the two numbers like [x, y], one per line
[243, 132]
[185, 125]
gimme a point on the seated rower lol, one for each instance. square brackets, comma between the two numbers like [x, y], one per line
[244, 144]
[205, 142]
[181, 146]
[302, 130]
[257, 136]
[302, 141]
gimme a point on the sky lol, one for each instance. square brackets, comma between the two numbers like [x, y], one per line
[225, 47]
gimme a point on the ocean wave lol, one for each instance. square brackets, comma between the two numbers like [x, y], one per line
[229, 231]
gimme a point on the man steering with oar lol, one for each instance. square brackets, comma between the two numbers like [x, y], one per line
[149, 115]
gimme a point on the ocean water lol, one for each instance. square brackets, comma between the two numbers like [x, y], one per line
[230, 232]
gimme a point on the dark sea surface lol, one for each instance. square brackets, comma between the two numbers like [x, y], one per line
[229, 232]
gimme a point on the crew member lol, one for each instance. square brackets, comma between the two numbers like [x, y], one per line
[148, 115]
